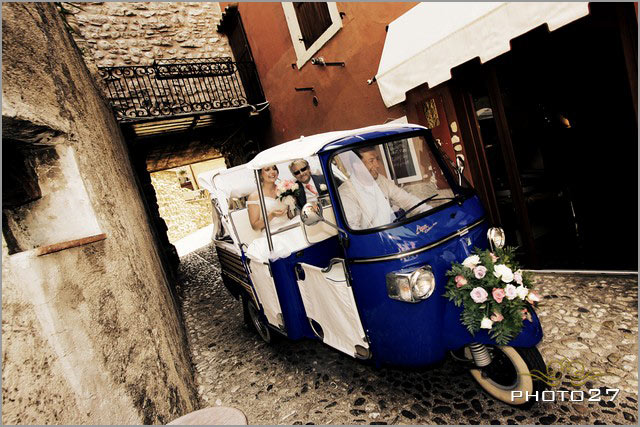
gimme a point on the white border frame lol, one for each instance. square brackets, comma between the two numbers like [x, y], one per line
[414, 158]
[304, 55]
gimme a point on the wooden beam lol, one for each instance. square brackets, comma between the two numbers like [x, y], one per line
[56, 247]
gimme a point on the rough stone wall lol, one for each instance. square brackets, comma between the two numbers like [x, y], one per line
[182, 216]
[90, 334]
[120, 33]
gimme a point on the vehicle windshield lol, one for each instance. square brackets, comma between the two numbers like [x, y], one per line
[389, 182]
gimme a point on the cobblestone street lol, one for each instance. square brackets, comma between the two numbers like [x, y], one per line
[588, 318]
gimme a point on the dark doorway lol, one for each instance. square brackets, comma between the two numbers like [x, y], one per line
[559, 129]
[231, 25]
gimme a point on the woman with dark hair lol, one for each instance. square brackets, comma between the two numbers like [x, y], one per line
[277, 212]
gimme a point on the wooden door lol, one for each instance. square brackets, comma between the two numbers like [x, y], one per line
[448, 112]
[233, 27]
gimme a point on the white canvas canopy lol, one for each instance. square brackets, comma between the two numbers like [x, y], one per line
[205, 179]
[428, 40]
[240, 181]
[306, 146]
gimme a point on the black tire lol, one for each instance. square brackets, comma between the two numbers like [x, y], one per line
[511, 370]
[258, 323]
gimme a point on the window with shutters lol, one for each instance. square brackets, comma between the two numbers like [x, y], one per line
[311, 25]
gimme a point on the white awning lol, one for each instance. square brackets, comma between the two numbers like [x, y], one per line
[427, 41]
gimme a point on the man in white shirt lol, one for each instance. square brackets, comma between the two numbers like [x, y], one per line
[392, 192]
[367, 200]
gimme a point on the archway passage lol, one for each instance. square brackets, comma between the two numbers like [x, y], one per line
[168, 143]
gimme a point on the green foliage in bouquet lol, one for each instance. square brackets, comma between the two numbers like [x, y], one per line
[495, 294]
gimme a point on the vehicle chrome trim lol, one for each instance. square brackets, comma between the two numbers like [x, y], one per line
[332, 262]
[263, 207]
[286, 228]
[304, 232]
[235, 231]
[412, 252]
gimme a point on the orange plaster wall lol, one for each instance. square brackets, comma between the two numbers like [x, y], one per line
[345, 99]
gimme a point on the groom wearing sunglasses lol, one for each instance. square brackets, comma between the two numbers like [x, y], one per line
[313, 185]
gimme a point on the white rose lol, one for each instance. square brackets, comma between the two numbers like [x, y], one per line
[471, 261]
[323, 187]
[486, 323]
[500, 270]
[522, 292]
[533, 297]
[507, 276]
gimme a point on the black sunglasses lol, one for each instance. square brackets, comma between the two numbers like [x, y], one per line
[304, 169]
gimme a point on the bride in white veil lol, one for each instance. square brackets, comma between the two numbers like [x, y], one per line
[364, 203]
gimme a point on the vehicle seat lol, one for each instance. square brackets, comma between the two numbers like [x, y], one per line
[246, 233]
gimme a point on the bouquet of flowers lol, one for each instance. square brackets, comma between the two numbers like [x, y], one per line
[494, 293]
[287, 192]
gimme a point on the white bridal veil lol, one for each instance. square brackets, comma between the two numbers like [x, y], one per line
[364, 203]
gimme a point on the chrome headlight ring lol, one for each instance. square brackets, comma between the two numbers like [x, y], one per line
[411, 285]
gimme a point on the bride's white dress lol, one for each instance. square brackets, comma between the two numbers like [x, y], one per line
[283, 244]
[272, 205]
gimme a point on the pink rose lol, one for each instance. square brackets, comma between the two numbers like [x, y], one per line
[460, 281]
[480, 271]
[497, 317]
[493, 257]
[498, 294]
[517, 277]
[510, 292]
[479, 295]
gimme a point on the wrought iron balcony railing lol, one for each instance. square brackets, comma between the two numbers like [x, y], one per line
[181, 86]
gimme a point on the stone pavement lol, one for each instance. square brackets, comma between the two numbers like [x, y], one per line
[593, 319]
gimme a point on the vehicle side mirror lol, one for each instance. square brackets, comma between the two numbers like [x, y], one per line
[459, 167]
[311, 214]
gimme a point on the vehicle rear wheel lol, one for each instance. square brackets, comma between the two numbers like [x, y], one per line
[258, 323]
[510, 371]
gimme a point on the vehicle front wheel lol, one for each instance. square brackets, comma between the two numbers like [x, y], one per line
[508, 377]
[258, 323]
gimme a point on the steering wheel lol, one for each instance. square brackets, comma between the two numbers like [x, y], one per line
[414, 207]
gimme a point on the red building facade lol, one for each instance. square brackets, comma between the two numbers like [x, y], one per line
[344, 99]
[541, 122]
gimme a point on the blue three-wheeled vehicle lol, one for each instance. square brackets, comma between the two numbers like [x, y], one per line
[361, 266]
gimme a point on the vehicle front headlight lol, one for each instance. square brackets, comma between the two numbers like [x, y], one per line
[496, 237]
[411, 285]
